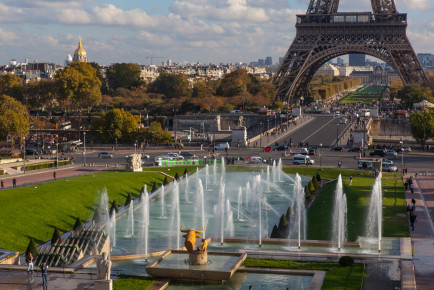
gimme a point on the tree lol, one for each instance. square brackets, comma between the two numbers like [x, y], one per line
[129, 199]
[124, 75]
[31, 248]
[202, 89]
[155, 187]
[185, 172]
[422, 126]
[156, 134]
[283, 227]
[171, 85]
[40, 94]
[11, 85]
[80, 84]
[414, 93]
[114, 208]
[57, 237]
[311, 187]
[315, 183]
[116, 124]
[14, 118]
[176, 176]
[165, 181]
[235, 83]
[78, 226]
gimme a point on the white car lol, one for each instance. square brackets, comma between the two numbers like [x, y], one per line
[104, 155]
[145, 156]
[221, 146]
[174, 156]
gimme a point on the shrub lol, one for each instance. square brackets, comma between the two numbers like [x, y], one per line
[31, 248]
[288, 213]
[311, 187]
[283, 227]
[315, 182]
[176, 176]
[306, 190]
[166, 181]
[78, 226]
[155, 187]
[57, 237]
[185, 172]
[275, 233]
[346, 261]
[114, 208]
[97, 219]
[129, 199]
[318, 177]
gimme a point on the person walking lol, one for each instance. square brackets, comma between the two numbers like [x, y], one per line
[351, 180]
[412, 187]
[2, 184]
[412, 219]
[14, 182]
[44, 268]
[29, 260]
[54, 174]
[414, 203]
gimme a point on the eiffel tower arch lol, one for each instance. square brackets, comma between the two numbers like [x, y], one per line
[323, 34]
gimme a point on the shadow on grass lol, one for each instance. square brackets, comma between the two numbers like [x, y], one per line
[62, 230]
[37, 241]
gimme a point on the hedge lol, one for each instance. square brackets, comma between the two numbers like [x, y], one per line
[46, 165]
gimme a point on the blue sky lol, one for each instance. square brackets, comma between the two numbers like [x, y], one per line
[182, 30]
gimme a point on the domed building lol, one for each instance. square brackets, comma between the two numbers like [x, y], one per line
[68, 60]
[80, 54]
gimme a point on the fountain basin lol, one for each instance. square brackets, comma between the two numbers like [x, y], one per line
[173, 264]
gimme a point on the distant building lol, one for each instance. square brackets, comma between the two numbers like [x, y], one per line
[426, 59]
[269, 60]
[340, 61]
[357, 59]
[328, 69]
[68, 60]
[261, 62]
[80, 54]
[377, 76]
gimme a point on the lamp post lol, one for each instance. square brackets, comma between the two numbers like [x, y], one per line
[337, 134]
[84, 147]
[135, 147]
[402, 157]
[320, 149]
[24, 139]
[57, 151]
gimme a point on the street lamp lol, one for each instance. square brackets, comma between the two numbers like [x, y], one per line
[135, 147]
[24, 138]
[84, 147]
[402, 157]
[57, 151]
[320, 149]
[337, 134]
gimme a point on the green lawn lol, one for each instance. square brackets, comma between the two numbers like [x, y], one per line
[132, 282]
[325, 173]
[34, 211]
[337, 277]
[358, 197]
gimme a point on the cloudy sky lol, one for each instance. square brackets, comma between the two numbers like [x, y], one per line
[182, 30]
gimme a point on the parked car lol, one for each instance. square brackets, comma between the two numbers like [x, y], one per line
[355, 149]
[406, 149]
[222, 146]
[337, 113]
[312, 151]
[337, 148]
[344, 120]
[31, 152]
[389, 167]
[281, 148]
[257, 160]
[187, 155]
[304, 151]
[104, 155]
[268, 149]
[391, 153]
[174, 156]
[302, 159]
[378, 152]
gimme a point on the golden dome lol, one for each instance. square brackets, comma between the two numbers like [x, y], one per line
[80, 54]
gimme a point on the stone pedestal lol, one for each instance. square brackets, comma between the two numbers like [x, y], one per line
[103, 285]
[198, 258]
[134, 163]
[239, 137]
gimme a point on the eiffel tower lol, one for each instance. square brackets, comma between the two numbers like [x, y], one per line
[324, 33]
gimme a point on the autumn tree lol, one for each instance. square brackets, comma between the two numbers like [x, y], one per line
[422, 126]
[235, 83]
[414, 93]
[156, 134]
[80, 84]
[11, 85]
[124, 75]
[202, 89]
[14, 118]
[171, 85]
[40, 94]
[116, 125]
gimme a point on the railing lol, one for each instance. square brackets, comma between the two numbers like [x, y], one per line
[352, 18]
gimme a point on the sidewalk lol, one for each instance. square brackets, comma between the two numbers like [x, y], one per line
[423, 235]
[270, 140]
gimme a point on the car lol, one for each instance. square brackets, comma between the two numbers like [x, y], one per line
[174, 156]
[104, 155]
[31, 152]
[312, 151]
[391, 153]
[355, 149]
[222, 146]
[378, 152]
[257, 160]
[281, 148]
[337, 148]
[304, 151]
[344, 120]
[326, 112]
[268, 149]
[145, 156]
[337, 113]
[406, 149]
[187, 155]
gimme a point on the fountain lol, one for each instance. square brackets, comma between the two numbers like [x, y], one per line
[239, 203]
[104, 205]
[200, 205]
[258, 193]
[223, 167]
[229, 226]
[206, 176]
[163, 206]
[274, 171]
[130, 220]
[175, 219]
[186, 189]
[111, 228]
[247, 195]
[375, 212]
[214, 171]
[279, 170]
[297, 225]
[219, 212]
[268, 178]
[145, 223]
[339, 215]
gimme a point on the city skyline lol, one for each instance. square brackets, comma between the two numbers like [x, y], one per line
[208, 31]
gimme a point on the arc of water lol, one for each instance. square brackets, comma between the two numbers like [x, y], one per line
[375, 212]
[240, 201]
[214, 171]
[339, 214]
[186, 188]
[163, 206]
[206, 176]
[268, 178]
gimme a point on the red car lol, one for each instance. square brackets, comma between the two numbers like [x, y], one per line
[268, 149]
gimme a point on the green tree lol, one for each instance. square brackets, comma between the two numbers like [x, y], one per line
[235, 83]
[315, 183]
[124, 75]
[14, 118]
[155, 187]
[57, 237]
[171, 85]
[114, 208]
[156, 134]
[202, 89]
[414, 93]
[166, 181]
[311, 187]
[176, 176]
[31, 248]
[78, 226]
[422, 126]
[80, 84]
[12, 85]
[40, 94]
[116, 125]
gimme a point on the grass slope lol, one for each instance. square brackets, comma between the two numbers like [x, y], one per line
[34, 211]
[132, 283]
[358, 197]
[337, 277]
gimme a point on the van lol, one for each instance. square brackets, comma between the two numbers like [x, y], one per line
[389, 167]
[302, 159]
[256, 160]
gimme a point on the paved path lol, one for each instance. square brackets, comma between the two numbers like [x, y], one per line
[423, 235]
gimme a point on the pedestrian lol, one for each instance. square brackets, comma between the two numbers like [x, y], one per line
[414, 203]
[29, 260]
[14, 182]
[412, 219]
[351, 180]
[405, 185]
[44, 268]
[54, 174]
[2, 184]
[412, 187]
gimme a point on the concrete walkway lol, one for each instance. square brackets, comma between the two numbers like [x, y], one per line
[423, 235]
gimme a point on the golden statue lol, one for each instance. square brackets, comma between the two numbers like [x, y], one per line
[190, 239]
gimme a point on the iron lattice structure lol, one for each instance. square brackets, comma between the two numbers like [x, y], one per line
[324, 33]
